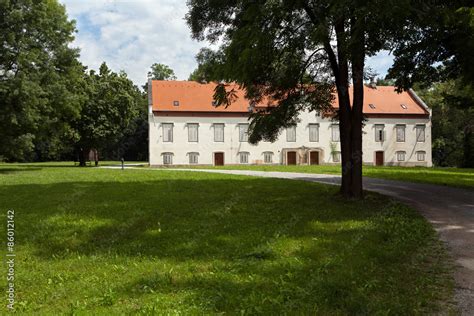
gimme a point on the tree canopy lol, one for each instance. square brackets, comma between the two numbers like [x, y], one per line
[40, 79]
[113, 101]
[299, 52]
[208, 64]
[161, 72]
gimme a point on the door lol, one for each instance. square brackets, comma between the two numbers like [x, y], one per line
[218, 159]
[314, 158]
[379, 158]
[291, 158]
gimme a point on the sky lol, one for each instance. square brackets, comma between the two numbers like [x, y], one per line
[132, 35]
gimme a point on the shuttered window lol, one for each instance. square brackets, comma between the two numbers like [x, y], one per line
[167, 132]
[379, 133]
[268, 157]
[314, 132]
[335, 137]
[291, 134]
[401, 155]
[218, 132]
[167, 158]
[420, 155]
[193, 132]
[420, 133]
[400, 133]
[193, 158]
[244, 157]
[243, 132]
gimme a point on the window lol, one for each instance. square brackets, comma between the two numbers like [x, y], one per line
[335, 137]
[379, 132]
[314, 132]
[193, 158]
[193, 132]
[372, 106]
[268, 157]
[404, 106]
[175, 103]
[291, 134]
[420, 133]
[400, 155]
[167, 158]
[218, 132]
[336, 156]
[400, 133]
[167, 132]
[244, 157]
[420, 155]
[243, 132]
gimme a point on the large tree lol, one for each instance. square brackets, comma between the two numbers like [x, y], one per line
[112, 103]
[295, 53]
[208, 61]
[161, 72]
[436, 46]
[452, 104]
[40, 79]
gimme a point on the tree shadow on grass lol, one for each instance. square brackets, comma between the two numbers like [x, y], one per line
[17, 170]
[259, 245]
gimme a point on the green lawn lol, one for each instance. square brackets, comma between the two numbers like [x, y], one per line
[456, 177]
[101, 241]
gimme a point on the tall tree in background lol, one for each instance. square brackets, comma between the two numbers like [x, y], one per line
[437, 47]
[452, 104]
[436, 53]
[208, 61]
[161, 72]
[297, 52]
[40, 79]
[112, 103]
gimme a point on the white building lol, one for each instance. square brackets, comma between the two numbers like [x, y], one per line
[186, 129]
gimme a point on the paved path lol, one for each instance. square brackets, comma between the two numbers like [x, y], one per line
[450, 210]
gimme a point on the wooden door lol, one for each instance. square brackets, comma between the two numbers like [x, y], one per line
[218, 159]
[379, 158]
[291, 158]
[314, 158]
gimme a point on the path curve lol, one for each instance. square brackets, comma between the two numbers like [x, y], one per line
[450, 211]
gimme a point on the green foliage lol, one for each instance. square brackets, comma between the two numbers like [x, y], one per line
[194, 244]
[113, 101]
[452, 103]
[40, 80]
[161, 72]
[384, 82]
[437, 45]
[209, 62]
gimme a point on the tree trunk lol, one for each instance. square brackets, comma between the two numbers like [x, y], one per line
[356, 135]
[345, 139]
[357, 62]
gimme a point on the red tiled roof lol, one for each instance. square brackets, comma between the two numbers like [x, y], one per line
[195, 97]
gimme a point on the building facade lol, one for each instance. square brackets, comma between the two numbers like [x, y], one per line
[185, 128]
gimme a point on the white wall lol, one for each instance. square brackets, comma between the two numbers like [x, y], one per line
[231, 145]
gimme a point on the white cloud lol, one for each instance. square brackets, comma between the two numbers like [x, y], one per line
[132, 35]
[380, 63]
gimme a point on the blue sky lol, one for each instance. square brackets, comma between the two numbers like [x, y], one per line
[132, 35]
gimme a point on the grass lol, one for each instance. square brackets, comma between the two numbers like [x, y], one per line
[456, 177]
[101, 241]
